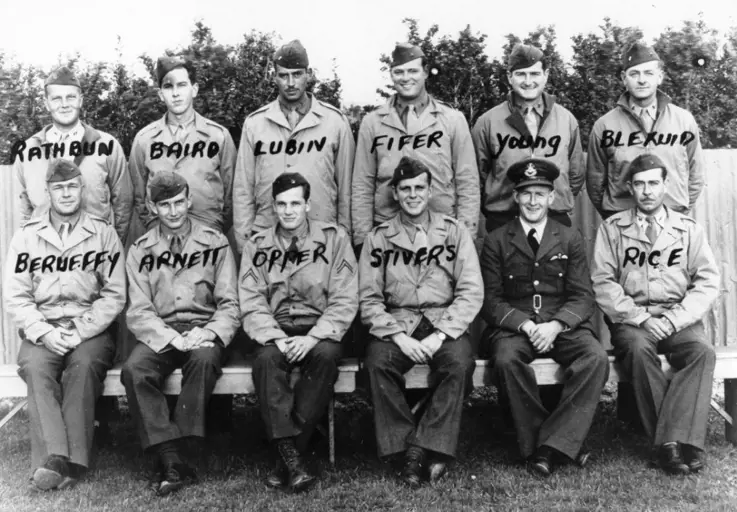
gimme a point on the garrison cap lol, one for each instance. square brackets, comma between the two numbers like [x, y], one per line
[405, 52]
[62, 76]
[523, 56]
[533, 171]
[165, 64]
[165, 185]
[288, 180]
[637, 54]
[62, 170]
[292, 55]
[645, 162]
[409, 168]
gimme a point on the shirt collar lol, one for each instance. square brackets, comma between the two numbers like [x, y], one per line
[75, 134]
[182, 236]
[420, 103]
[659, 218]
[538, 229]
[56, 223]
[537, 107]
[651, 109]
[302, 107]
[413, 227]
[186, 123]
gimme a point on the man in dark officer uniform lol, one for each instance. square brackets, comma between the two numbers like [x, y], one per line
[298, 289]
[538, 301]
[64, 284]
[183, 310]
[420, 288]
[183, 141]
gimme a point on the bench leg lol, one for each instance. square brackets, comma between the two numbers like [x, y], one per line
[331, 429]
[730, 404]
[15, 410]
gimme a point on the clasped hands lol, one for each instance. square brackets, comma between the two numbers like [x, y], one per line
[61, 340]
[420, 352]
[197, 337]
[295, 348]
[542, 336]
[659, 327]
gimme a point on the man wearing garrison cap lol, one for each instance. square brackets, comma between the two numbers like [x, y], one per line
[64, 284]
[108, 191]
[298, 289]
[644, 120]
[185, 142]
[297, 132]
[413, 123]
[419, 291]
[529, 123]
[183, 310]
[538, 303]
[655, 277]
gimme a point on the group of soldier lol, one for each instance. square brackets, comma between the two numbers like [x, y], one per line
[383, 231]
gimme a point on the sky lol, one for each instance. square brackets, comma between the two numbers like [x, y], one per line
[351, 34]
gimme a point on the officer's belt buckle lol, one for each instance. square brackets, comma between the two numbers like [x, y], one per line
[537, 302]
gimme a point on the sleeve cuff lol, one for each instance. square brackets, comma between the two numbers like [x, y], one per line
[568, 318]
[514, 319]
[34, 331]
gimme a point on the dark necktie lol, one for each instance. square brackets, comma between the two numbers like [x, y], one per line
[651, 231]
[176, 244]
[293, 250]
[533, 241]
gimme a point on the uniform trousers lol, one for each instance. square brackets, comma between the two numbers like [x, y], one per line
[295, 411]
[586, 369]
[440, 424]
[143, 376]
[62, 392]
[669, 411]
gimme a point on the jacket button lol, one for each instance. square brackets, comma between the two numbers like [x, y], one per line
[560, 274]
[511, 277]
[537, 264]
[536, 282]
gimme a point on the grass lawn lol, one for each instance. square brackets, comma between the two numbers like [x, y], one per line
[487, 476]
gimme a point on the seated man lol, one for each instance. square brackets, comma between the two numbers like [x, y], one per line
[298, 289]
[183, 310]
[655, 277]
[538, 301]
[420, 288]
[64, 284]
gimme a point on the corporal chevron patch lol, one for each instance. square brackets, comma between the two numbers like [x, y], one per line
[252, 274]
[345, 264]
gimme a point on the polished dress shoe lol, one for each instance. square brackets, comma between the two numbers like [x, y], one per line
[278, 477]
[174, 476]
[51, 473]
[299, 478]
[670, 460]
[695, 458]
[411, 473]
[541, 462]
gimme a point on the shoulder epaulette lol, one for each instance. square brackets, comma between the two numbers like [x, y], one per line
[258, 110]
[331, 107]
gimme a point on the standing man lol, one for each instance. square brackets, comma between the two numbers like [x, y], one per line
[183, 310]
[420, 289]
[413, 123]
[184, 142]
[64, 285]
[643, 121]
[298, 289]
[294, 133]
[539, 301]
[528, 124]
[108, 191]
[655, 277]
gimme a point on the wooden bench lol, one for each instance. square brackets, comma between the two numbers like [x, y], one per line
[237, 379]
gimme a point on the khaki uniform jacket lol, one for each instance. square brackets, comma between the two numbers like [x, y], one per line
[676, 277]
[200, 291]
[443, 144]
[502, 138]
[514, 276]
[206, 161]
[320, 289]
[84, 283]
[618, 137]
[321, 148]
[395, 295]
[108, 189]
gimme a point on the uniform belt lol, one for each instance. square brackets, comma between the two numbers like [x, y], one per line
[537, 303]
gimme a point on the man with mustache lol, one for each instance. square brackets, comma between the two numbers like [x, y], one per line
[643, 121]
[529, 124]
[413, 124]
[294, 133]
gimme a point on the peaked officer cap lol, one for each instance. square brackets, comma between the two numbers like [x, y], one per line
[533, 171]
